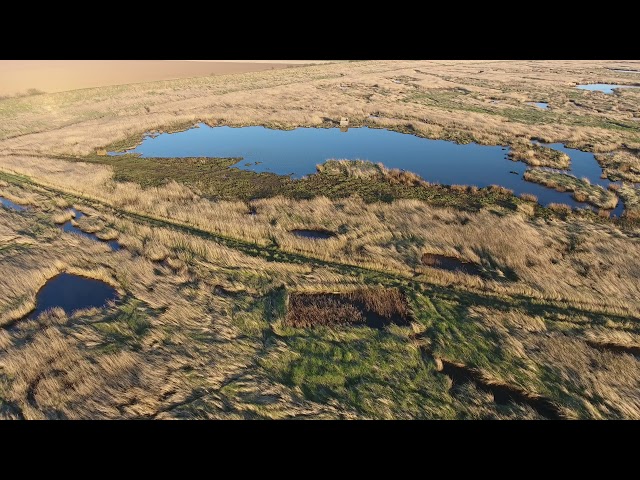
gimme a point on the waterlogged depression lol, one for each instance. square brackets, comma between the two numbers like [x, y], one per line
[297, 152]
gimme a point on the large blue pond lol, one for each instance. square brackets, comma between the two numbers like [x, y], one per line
[297, 152]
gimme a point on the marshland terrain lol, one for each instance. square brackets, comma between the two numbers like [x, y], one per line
[467, 247]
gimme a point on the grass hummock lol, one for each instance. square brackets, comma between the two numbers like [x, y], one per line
[583, 190]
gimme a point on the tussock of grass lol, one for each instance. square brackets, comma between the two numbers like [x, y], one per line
[529, 197]
[539, 156]
[621, 165]
[631, 197]
[90, 224]
[19, 196]
[61, 203]
[107, 234]
[561, 208]
[368, 170]
[500, 190]
[606, 336]
[583, 191]
[155, 251]
[63, 217]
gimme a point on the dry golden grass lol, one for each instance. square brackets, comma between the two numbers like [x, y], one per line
[392, 237]
[538, 155]
[149, 382]
[605, 382]
[53, 374]
[186, 342]
[623, 165]
[203, 327]
[63, 217]
[631, 197]
[77, 177]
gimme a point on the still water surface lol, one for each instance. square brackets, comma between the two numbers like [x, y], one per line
[12, 205]
[71, 293]
[603, 87]
[70, 228]
[297, 152]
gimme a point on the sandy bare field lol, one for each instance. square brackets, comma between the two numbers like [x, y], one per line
[17, 76]
[288, 62]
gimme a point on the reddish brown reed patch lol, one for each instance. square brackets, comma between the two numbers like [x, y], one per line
[374, 307]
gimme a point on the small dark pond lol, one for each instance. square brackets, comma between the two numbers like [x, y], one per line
[71, 293]
[317, 234]
[450, 263]
[502, 394]
[542, 105]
